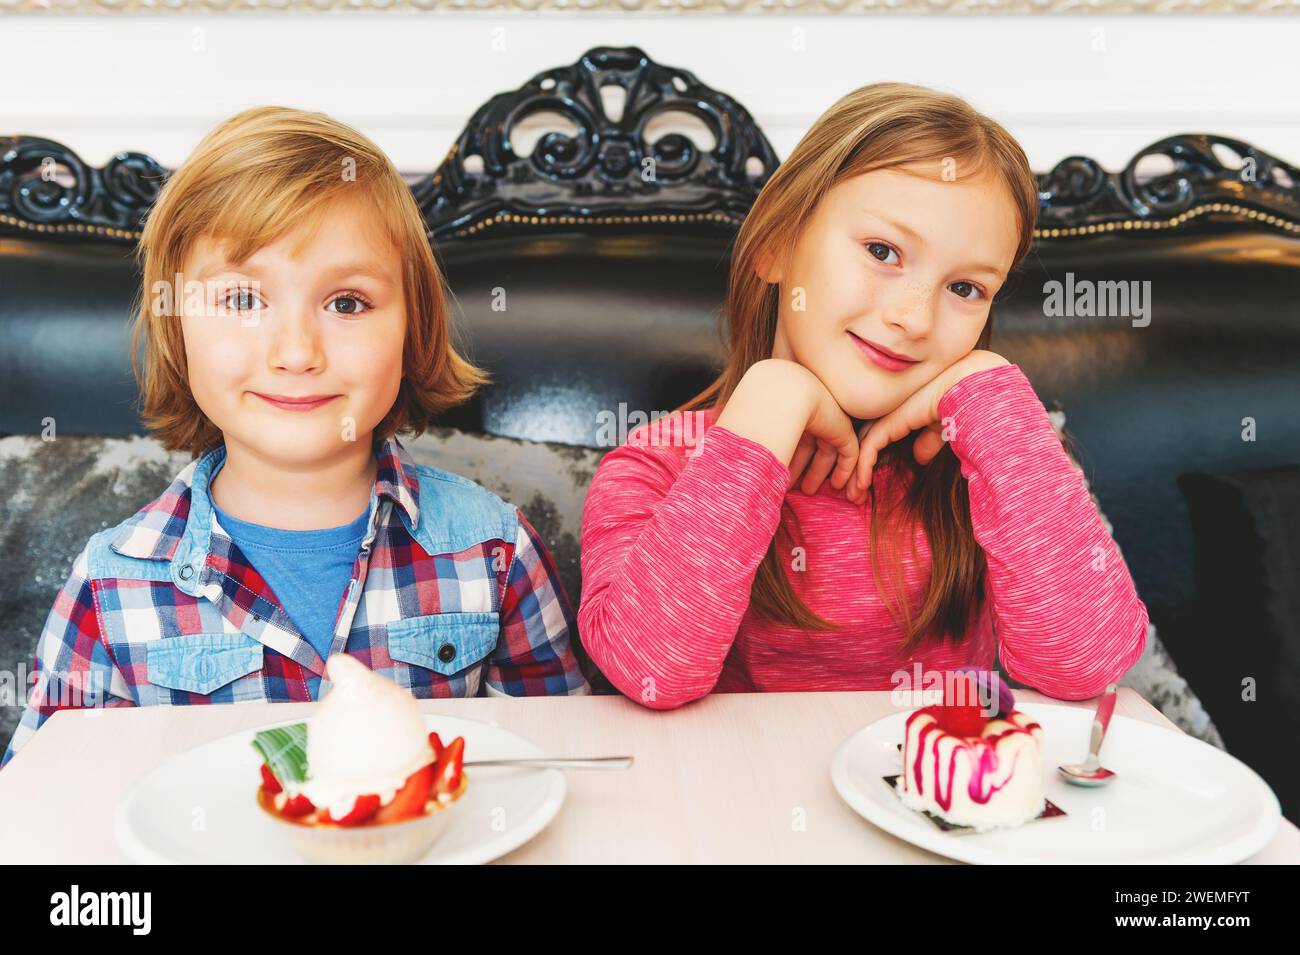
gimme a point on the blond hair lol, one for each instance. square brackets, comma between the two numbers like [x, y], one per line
[880, 126]
[253, 178]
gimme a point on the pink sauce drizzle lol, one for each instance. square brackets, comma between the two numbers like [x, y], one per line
[985, 762]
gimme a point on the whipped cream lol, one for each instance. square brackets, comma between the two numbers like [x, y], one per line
[366, 736]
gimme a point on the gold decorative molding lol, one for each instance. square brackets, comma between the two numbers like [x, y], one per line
[664, 7]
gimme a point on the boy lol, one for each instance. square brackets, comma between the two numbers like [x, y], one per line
[294, 321]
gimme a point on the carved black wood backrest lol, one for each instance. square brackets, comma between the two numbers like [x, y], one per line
[607, 173]
[606, 176]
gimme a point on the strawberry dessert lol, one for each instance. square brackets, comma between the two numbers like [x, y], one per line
[363, 780]
[971, 764]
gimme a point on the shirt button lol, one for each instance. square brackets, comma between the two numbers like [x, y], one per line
[187, 572]
[446, 653]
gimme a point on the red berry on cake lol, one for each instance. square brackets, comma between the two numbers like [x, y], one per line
[960, 713]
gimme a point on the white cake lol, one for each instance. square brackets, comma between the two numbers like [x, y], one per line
[987, 781]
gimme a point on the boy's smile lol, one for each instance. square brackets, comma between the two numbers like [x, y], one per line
[290, 403]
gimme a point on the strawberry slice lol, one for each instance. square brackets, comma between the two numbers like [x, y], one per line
[961, 713]
[446, 771]
[297, 806]
[435, 744]
[962, 721]
[269, 782]
[365, 807]
[410, 799]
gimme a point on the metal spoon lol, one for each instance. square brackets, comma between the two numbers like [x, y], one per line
[598, 762]
[1091, 772]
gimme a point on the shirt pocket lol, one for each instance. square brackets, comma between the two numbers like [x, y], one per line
[445, 643]
[202, 662]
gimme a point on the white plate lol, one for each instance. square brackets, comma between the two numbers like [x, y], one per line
[200, 806]
[1175, 799]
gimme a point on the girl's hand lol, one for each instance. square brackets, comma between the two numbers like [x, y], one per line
[828, 446]
[785, 407]
[920, 410]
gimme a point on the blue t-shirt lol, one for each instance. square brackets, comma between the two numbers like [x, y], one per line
[308, 570]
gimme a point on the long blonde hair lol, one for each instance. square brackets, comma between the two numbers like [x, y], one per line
[253, 178]
[879, 126]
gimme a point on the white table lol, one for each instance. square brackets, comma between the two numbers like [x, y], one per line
[724, 779]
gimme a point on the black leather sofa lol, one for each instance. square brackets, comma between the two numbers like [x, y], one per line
[614, 290]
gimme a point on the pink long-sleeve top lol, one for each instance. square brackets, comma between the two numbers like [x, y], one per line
[678, 519]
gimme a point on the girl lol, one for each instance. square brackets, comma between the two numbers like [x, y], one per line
[294, 322]
[866, 493]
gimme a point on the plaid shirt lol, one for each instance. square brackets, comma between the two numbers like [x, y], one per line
[452, 593]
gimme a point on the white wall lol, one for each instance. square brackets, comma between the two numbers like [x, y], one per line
[1102, 86]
